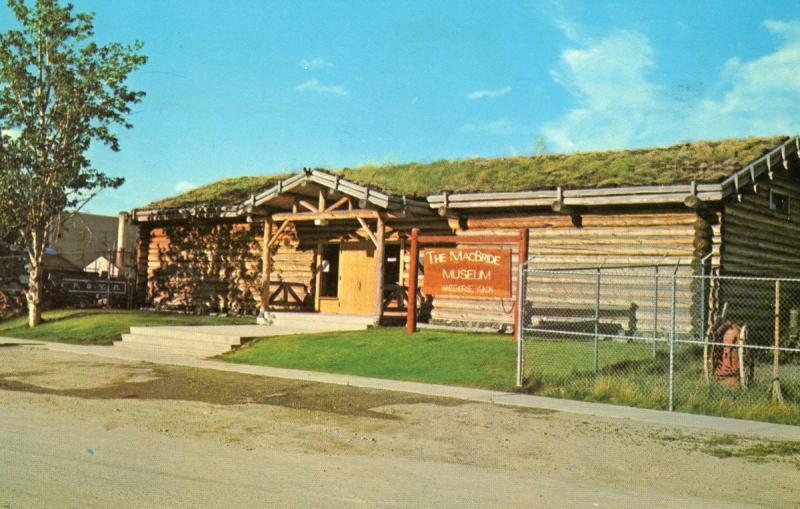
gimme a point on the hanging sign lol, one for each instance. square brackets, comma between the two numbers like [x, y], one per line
[466, 272]
[98, 286]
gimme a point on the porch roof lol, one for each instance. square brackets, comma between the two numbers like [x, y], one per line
[283, 194]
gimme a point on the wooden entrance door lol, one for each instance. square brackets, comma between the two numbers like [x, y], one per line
[357, 278]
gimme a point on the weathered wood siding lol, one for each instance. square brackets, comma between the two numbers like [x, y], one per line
[760, 242]
[666, 238]
[218, 266]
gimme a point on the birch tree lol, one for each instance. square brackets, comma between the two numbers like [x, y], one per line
[60, 92]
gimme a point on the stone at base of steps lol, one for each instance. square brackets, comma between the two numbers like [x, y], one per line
[193, 341]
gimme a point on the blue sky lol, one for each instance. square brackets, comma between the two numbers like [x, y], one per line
[255, 87]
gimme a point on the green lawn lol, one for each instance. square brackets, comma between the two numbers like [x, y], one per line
[627, 374]
[444, 357]
[457, 358]
[100, 326]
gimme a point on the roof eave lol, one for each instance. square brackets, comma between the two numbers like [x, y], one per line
[183, 213]
[643, 195]
[338, 184]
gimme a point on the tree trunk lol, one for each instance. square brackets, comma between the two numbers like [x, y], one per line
[35, 278]
[34, 295]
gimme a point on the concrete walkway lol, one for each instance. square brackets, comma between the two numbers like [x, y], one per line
[717, 424]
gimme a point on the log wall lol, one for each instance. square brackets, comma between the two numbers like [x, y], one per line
[217, 266]
[760, 242]
[668, 238]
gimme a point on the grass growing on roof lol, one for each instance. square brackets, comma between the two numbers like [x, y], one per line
[102, 327]
[230, 191]
[703, 161]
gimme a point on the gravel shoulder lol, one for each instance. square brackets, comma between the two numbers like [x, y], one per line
[344, 446]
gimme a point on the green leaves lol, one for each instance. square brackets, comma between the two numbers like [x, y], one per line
[59, 93]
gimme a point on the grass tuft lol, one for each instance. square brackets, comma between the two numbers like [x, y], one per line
[101, 326]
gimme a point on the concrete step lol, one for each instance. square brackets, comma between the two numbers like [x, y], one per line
[189, 334]
[161, 350]
[139, 349]
[321, 321]
[178, 345]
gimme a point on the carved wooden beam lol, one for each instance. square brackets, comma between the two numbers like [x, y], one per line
[366, 229]
[338, 203]
[278, 232]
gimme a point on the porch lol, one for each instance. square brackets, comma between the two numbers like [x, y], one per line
[332, 247]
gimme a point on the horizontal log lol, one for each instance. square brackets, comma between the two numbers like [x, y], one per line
[588, 220]
[332, 215]
[763, 216]
[613, 232]
[760, 239]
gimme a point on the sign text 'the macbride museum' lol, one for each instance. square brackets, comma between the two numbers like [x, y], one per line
[472, 273]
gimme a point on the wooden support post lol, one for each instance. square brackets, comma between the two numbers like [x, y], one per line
[413, 268]
[266, 263]
[318, 278]
[338, 203]
[380, 249]
[522, 252]
[401, 262]
[777, 394]
[308, 206]
[274, 238]
[365, 227]
[321, 204]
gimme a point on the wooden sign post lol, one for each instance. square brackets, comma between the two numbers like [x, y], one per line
[464, 272]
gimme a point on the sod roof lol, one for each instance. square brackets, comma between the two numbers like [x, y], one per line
[702, 161]
[229, 191]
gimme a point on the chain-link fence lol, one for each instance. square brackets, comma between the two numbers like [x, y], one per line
[662, 337]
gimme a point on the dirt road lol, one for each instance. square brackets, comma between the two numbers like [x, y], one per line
[80, 431]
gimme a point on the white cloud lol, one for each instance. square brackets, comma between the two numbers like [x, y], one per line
[313, 85]
[12, 133]
[618, 105]
[184, 186]
[570, 29]
[314, 63]
[612, 94]
[482, 94]
[500, 127]
[761, 94]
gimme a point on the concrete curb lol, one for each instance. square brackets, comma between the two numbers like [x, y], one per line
[710, 423]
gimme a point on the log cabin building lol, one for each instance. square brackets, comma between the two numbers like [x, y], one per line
[337, 241]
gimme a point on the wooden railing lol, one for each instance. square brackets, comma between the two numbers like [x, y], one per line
[286, 294]
[395, 300]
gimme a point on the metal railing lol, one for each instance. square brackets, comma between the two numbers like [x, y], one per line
[663, 337]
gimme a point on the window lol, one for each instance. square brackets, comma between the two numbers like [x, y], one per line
[778, 202]
[391, 267]
[330, 271]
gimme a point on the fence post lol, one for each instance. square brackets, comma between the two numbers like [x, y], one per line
[413, 269]
[521, 298]
[702, 302]
[672, 344]
[655, 311]
[597, 321]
